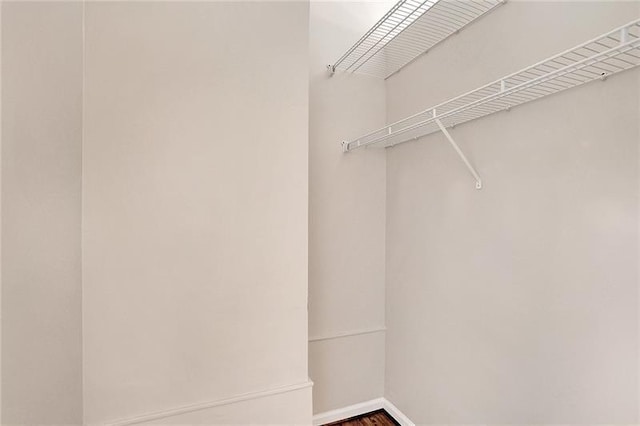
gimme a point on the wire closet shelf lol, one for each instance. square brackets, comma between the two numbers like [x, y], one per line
[611, 53]
[408, 30]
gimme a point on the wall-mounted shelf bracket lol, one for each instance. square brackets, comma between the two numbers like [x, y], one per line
[455, 146]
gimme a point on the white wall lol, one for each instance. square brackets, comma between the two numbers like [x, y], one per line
[195, 206]
[346, 217]
[41, 178]
[516, 304]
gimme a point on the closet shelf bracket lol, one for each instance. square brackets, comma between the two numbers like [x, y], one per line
[463, 157]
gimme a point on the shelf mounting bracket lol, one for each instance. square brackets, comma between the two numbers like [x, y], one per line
[455, 146]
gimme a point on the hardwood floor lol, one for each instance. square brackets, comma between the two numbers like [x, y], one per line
[375, 418]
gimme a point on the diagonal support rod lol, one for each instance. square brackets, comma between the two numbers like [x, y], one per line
[461, 154]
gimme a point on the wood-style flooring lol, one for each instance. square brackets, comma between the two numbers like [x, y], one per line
[375, 418]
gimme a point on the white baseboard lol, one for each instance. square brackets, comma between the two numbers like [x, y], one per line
[397, 414]
[346, 412]
[359, 409]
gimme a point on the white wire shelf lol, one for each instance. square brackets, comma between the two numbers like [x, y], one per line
[408, 30]
[597, 59]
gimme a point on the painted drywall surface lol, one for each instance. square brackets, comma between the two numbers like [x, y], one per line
[516, 304]
[346, 371]
[41, 181]
[346, 214]
[0, 212]
[271, 410]
[195, 204]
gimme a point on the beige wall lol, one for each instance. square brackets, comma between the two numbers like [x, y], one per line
[194, 197]
[516, 304]
[0, 212]
[276, 409]
[346, 215]
[41, 178]
[195, 204]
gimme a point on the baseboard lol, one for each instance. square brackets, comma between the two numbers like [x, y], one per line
[396, 414]
[359, 409]
[349, 411]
